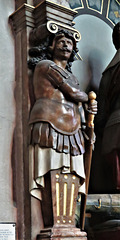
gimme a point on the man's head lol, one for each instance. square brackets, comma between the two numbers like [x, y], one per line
[46, 49]
[116, 35]
[63, 44]
[63, 48]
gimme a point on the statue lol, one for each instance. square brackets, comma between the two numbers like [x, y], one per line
[57, 130]
[108, 118]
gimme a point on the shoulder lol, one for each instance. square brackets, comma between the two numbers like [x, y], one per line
[42, 68]
[109, 72]
[43, 65]
[114, 62]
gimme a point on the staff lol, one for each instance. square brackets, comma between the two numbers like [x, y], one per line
[87, 159]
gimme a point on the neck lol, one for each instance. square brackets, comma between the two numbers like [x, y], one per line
[60, 63]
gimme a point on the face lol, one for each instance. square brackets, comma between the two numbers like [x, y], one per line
[63, 48]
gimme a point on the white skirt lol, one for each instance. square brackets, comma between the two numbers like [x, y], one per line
[42, 160]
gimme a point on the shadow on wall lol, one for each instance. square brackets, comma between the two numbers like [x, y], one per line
[95, 61]
[97, 50]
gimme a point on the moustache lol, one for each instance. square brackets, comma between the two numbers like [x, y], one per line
[65, 49]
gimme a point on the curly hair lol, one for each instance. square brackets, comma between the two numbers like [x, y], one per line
[45, 50]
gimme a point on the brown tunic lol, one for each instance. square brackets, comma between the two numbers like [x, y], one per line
[55, 116]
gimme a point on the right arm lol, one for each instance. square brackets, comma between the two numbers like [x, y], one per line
[68, 90]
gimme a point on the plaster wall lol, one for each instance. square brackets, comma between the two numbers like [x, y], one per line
[7, 112]
[96, 49]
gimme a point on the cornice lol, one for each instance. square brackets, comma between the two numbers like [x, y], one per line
[53, 11]
[22, 17]
[45, 17]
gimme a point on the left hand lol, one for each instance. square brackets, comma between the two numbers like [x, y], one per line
[92, 107]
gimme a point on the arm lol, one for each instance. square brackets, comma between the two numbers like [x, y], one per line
[67, 89]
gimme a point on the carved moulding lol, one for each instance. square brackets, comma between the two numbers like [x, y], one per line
[22, 18]
[22, 22]
[51, 17]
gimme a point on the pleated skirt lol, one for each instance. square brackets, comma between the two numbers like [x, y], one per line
[45, 135]
[50, 150]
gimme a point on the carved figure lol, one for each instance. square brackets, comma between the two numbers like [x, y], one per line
[56, 130]
[108, 118]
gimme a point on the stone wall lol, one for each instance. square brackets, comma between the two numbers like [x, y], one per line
[7, 112]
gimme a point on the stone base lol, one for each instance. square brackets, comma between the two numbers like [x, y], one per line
[62, 233]
[61, 238]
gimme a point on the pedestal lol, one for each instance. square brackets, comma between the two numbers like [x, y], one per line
[58, 207]
[62, 233]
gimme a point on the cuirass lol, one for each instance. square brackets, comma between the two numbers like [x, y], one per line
[52, 105]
